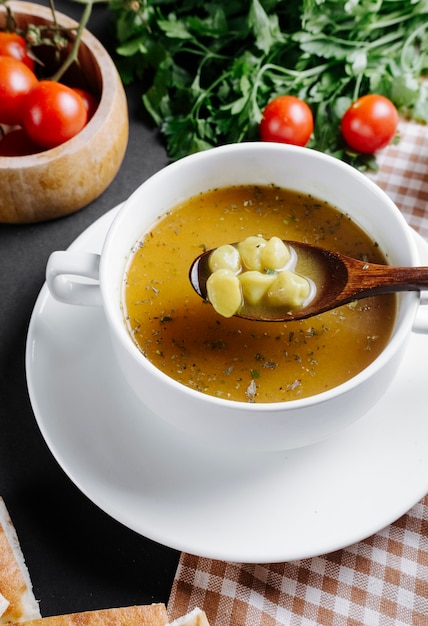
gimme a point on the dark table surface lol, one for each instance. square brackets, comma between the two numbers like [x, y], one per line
[78, 557]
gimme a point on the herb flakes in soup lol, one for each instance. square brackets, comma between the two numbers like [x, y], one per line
[234, 358]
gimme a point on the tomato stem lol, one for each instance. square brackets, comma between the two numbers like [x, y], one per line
[73, 55]
[52, 7]
[10, 26]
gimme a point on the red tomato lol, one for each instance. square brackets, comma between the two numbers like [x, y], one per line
[53, 114]
[13, 45]
[18, 143]
[16, 80]
[287, 119]
[370, 123]
[90, 102]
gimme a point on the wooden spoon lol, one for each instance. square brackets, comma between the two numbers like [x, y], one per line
[339, 279]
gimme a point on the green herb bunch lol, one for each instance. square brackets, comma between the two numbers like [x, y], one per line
[209, 67]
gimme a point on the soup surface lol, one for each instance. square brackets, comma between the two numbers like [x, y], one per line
[238, 359]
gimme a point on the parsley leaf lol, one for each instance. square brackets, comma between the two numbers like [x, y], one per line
[209, 67]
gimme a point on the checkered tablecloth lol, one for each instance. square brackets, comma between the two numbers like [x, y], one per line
[403, 175]
[381, 581]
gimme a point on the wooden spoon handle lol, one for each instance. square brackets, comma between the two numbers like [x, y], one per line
[373, 279]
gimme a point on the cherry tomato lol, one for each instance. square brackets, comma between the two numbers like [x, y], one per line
[16, 80]
[13, 45]
[287, 119]
[90, 102]
[18, 143]
[370, 123]
[53, 114]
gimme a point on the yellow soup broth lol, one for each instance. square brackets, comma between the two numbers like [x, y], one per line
[237, 359]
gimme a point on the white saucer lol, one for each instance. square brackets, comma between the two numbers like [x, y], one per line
[267, 507]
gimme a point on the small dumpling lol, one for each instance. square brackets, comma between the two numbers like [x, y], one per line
[255, 285]
[274, 255]
[224, 292]
[250, 250]
[225, 257]
[288, 290]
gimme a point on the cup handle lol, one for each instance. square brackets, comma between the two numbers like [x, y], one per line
[73, 277]
[420, 324]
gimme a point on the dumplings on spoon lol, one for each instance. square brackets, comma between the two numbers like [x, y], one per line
[255, 272]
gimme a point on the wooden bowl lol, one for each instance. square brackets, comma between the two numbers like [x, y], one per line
[64, 179]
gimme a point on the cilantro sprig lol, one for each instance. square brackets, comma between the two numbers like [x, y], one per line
[209, 67]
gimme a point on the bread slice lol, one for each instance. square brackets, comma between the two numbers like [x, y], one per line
[15, 583]
[146, 615]
[197, 617]
[18, 606]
